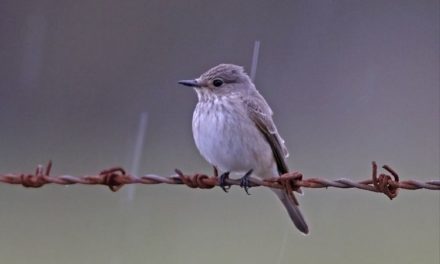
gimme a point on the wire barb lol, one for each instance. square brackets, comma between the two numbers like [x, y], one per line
[115, 178]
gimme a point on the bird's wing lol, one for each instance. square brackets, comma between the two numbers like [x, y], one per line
[260, 112]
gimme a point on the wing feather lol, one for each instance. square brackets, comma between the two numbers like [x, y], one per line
[261, 114]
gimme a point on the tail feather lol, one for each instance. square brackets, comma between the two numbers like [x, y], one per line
[293, 211]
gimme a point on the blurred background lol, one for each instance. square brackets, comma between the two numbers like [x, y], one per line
[349, 82]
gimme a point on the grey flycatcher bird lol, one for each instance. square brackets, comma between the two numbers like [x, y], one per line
[234, 131]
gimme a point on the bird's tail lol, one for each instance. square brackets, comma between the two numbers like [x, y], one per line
[293, 211]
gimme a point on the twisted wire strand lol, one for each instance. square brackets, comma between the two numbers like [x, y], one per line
[115, 178]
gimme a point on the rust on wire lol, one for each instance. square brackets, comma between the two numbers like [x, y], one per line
[384, 183]
[115, 178]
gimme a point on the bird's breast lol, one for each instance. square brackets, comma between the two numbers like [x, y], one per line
[227, 138]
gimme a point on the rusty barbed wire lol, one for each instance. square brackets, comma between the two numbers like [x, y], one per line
[115, 178]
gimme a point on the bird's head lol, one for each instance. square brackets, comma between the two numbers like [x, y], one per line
[222, 80]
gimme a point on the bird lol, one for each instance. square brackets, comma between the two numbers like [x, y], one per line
[234, 131]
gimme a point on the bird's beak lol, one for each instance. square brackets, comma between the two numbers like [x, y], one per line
[190, 83]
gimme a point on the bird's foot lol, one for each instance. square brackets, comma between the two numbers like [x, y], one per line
[222, 182]
[244, 181]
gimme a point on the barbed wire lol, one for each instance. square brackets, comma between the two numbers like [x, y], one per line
[116, 177]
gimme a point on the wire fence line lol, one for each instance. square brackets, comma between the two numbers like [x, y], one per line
[116, 177]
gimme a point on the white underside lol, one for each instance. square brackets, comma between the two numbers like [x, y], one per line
[228, 139]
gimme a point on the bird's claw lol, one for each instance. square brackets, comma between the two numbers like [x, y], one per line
[222, 182]
[244, 181]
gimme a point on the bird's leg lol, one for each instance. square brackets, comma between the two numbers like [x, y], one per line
[222, 181]
[215, 171]
[244, 181]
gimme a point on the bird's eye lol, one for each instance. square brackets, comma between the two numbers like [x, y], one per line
[217, 82]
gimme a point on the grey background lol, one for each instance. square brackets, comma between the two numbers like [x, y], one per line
[349, 82]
